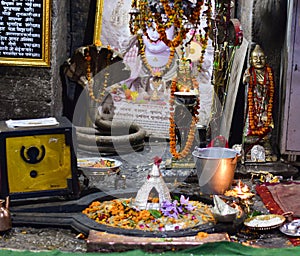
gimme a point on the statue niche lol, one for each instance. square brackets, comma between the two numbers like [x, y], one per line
[259, 124]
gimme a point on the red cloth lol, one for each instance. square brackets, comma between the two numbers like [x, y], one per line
[280, 198]
[287, 196]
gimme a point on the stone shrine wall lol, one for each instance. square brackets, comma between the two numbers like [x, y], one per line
[33, 92]
[29, 92]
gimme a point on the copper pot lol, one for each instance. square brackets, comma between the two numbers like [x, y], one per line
[215, 168]
[5, 217]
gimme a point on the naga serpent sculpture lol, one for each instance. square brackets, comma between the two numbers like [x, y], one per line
[90, 65]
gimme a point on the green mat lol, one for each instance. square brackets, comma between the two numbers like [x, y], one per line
[218, 248]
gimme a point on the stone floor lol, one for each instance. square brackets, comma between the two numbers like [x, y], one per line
[42, 239]
[49, 238]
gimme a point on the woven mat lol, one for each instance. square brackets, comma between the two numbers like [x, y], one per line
[280, 198]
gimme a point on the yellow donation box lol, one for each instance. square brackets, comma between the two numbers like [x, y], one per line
[38, 161]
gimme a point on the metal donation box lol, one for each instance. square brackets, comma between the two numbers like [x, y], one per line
[37, 159]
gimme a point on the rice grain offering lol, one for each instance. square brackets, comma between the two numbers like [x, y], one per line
[265, 221]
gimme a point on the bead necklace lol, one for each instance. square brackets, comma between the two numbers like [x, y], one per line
[195, 118]
[159, 72]
[254, 119]
[88, 59]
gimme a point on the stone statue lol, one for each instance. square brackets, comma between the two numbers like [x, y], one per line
[94, 67]
[259, 100]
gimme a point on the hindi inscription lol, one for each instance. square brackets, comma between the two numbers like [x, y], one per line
[24, 32]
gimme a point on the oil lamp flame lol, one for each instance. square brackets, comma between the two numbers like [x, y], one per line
[238, 188]
[241, 191]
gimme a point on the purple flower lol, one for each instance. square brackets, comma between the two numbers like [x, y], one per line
[169, 209]
[161, 229]
[183, 200]
[180, 208]
[175, 208]
[185, 203]
[189, 207]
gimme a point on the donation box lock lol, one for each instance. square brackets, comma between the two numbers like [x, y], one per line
[33, 155]
[38, 162]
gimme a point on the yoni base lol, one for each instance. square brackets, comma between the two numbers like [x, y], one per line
[105, 242]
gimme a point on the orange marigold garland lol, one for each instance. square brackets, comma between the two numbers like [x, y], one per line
[268, 83]
[88, 59]
[142, 17]
[172, 133]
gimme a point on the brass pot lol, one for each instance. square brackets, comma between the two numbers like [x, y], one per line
[5, 217]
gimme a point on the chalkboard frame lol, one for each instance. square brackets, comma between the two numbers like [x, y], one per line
[44, 61]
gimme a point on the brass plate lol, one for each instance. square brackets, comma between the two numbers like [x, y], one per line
[86, 164]
[264, 222]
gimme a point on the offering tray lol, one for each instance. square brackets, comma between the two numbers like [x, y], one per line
[118, 213]
[264, 222]
[98, 165]
[101, 172]
[61, 213]
[291, 228]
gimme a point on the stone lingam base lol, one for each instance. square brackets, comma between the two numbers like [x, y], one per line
[68, 214]
[104, 242]
[278, 168]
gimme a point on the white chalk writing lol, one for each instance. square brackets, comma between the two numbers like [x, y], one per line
[21, 28]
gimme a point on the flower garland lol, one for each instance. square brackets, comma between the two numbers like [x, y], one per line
[175, 16]
[142, 17]
[191, 134]
[254, 120]
[88, 59]
[204, 39]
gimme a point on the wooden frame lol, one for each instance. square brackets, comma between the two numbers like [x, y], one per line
[23, 52]
[107, 30]
[98, 20]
